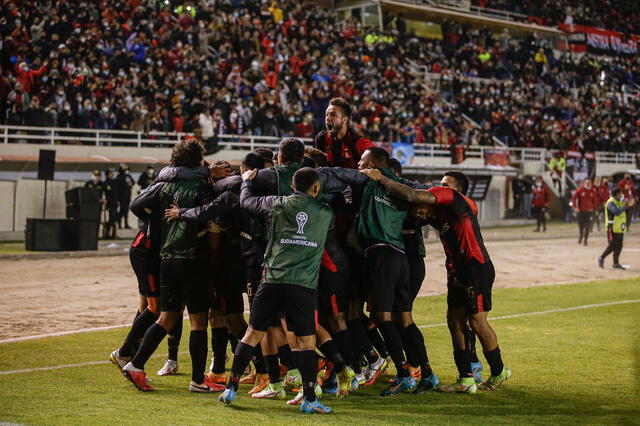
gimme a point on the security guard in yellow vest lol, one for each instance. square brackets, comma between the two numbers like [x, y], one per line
[615, 216]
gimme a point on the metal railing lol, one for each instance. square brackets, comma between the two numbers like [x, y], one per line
[466, 7]
[123, 138]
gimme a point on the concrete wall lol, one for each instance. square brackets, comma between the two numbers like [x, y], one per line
[492, 209]
[7, 194]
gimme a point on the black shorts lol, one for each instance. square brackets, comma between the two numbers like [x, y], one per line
[183, 282]
[333, 294]
[299, 305]
[229, 283]
[470, 287]
[387, 272]
[253, 276]
[146, 266]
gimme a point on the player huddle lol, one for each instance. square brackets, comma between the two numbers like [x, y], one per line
[315, 241]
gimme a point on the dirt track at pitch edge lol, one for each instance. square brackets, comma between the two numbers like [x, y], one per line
[50, 295]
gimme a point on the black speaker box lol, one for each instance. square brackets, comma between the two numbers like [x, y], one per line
[46, 164]
[44, 234]
[81, 235]
[83, 211]
[61, 234]
[82, 195]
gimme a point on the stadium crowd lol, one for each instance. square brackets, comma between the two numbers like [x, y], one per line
[251, 67]
[623, 16]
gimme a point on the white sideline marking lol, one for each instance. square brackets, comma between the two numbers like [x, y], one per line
[66, 333]
[58, 367]
[550, 311]
[62, 333]
[525, 314]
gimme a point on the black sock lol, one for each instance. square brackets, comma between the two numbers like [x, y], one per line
[241, 358]
[141, 324]
[307, 364]
[470, 343]
[330, 351]
[286, 357]
[258, 360]
[415, 340]
[150, 342]
[219, 339]
[378, 342]
[494, 359]
[173, 342]
[342, 338]
[394, 346]
[463, 362]
[273, 368]
[409, 353]
[359, 340]
[233, 341]
[198, 350]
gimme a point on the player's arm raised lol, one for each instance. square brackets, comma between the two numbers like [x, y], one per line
[399, 190]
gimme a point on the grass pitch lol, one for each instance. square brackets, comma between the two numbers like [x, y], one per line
[569, 366]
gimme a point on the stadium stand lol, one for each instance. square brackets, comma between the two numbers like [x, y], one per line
[257, 69]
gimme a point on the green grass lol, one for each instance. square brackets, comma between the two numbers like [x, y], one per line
[571, 367]
[12, 247]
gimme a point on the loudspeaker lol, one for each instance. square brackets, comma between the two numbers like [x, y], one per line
[81, 235]
[46, 164]
[82, 195]
[83, 211]
[44, 234]
[61, 234]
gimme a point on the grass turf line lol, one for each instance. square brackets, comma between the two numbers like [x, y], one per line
[568, 366]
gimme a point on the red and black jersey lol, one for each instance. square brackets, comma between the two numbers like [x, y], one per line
[345, 152]
[585, 199]
[456, 221]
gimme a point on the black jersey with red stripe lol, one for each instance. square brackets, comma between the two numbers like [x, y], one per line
[455, 219]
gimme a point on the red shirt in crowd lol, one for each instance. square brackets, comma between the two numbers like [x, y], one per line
[628, 188]
[585, 200]
[603, 194]
[540, 196]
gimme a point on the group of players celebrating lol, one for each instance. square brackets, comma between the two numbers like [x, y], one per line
[312, 240]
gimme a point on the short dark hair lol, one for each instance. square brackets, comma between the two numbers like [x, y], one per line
[253, 160]
[343, 104]
[318, 157]
[305, 178]
[395, 165]
[380, 155]
[265, 153]
[616, 191]
[461, 178]
[187, 153]
[292, 150]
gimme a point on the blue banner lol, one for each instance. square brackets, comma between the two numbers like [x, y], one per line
[403, 152]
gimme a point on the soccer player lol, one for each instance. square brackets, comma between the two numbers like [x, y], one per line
[144, 255]
[470, 271]
[291, 269]
[340, 142]
[615, 214]
[182, 279]
[540, 200]
[584, 202]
